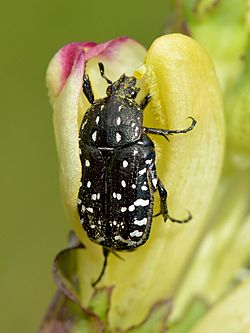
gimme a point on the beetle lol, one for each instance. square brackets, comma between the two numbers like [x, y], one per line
[119, 179]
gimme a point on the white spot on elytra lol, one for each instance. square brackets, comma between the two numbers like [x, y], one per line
[83, 209]
[131, 208]
[137, 129]
[94, 136]
[118, 137]
[148, 161]
[141, 222]
[141, 172]
[133, 186]
[87, 164]
[84, 123]
[123, 209]
[123, 183]
[125, 163]
[90, 209]
[141, 202]
[82, 220]
[102, 107]
[98, 196]
[120, 107]
[118, 196]
[126, 241]
[97, 119]
[79, 201]
[118, 121]
[114, 223]
[114, 195]
[154, 181]
[92, 226]
[135, 151]
[144, 188]
[93, 197]
[133, 125]
[88, 184]
[136, 233]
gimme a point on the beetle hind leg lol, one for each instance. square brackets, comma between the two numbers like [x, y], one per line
[105, 254]
[164, 208]
[105, 262]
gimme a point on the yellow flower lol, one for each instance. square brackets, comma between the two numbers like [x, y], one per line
[179, 75]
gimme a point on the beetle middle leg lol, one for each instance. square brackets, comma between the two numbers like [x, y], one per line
[164, 208]
[165, 132]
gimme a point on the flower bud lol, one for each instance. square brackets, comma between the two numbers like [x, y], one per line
[180, 77]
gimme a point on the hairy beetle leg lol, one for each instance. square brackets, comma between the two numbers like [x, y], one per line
[105, 254]
[105, 262]
[164, 209]
[145, 101]
[87, 89]
[165, 132]
[101, 68]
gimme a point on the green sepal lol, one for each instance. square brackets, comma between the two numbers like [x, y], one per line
[100, 303]
[65, 316]
[66, 312]
[156, 321]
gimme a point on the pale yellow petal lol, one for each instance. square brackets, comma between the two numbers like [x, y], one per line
[181, 79]
[231, 315]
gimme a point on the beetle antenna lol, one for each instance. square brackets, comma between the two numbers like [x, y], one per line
[101, 68]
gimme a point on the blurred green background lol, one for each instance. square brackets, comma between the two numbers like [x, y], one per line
[33, 225]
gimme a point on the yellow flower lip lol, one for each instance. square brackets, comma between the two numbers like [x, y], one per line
[181, 79]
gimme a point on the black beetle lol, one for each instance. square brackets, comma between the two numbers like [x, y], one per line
[116, 195]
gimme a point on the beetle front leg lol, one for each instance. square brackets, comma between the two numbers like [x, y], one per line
[87, 89]
[145, 101]
[165, 132]
[164, 208]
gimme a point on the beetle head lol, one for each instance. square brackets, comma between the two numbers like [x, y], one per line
[124, 86]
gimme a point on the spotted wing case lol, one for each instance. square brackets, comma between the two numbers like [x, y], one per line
[116, 194]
